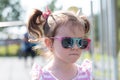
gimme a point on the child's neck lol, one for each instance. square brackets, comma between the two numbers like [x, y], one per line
[62, 65]
[58, 68]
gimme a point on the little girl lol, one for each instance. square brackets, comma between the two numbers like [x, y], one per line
[65, 36]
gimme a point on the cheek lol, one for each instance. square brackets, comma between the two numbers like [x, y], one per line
[57, 45]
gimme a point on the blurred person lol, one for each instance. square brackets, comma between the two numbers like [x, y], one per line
[64, 36]
[28, 49]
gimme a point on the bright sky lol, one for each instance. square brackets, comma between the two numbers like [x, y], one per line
[30, 4]
[65, 3]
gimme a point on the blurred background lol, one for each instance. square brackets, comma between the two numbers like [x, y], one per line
[16, 58]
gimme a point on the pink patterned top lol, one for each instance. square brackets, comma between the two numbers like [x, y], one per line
[84, 72]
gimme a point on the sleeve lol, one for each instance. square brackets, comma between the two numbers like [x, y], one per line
[36, 72]
[87, 67]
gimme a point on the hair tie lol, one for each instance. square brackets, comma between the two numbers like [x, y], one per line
[46, 13]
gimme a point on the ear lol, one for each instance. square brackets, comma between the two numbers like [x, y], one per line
[48, 43]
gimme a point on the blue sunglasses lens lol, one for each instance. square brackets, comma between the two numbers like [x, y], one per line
[83, 43]
[68, 42]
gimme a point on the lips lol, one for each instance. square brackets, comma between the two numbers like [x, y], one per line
[76, 54]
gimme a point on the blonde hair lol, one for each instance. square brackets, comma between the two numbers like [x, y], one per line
[38, 26]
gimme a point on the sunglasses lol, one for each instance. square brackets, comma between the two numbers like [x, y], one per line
[68, 42]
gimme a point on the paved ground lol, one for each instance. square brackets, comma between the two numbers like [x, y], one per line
[13, 68]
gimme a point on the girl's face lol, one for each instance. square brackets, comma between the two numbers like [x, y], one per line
[67, 55]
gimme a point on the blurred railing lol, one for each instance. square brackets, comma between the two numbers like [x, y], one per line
[105, 54]
[12, 23]
[9, 46]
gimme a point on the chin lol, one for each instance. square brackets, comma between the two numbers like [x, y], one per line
[73, 61]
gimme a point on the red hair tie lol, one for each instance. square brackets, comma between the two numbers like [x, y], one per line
[46, 13]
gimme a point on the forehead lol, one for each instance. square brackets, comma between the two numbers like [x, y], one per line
[70, 31]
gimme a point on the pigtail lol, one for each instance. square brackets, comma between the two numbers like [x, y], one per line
[86, 23]
[34, 23]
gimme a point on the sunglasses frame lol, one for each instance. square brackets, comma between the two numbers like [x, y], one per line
[75, 40]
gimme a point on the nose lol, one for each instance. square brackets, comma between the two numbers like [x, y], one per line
[75, 46]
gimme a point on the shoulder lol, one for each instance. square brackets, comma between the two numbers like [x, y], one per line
[86, 64]
[36, 72]
[85, 69]
[39, 73]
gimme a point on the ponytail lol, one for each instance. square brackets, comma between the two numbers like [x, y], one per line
[36, 21]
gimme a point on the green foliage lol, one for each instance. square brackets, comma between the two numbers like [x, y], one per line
[10, 50]
[10, 10]
[2, 51]
[13, 49]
